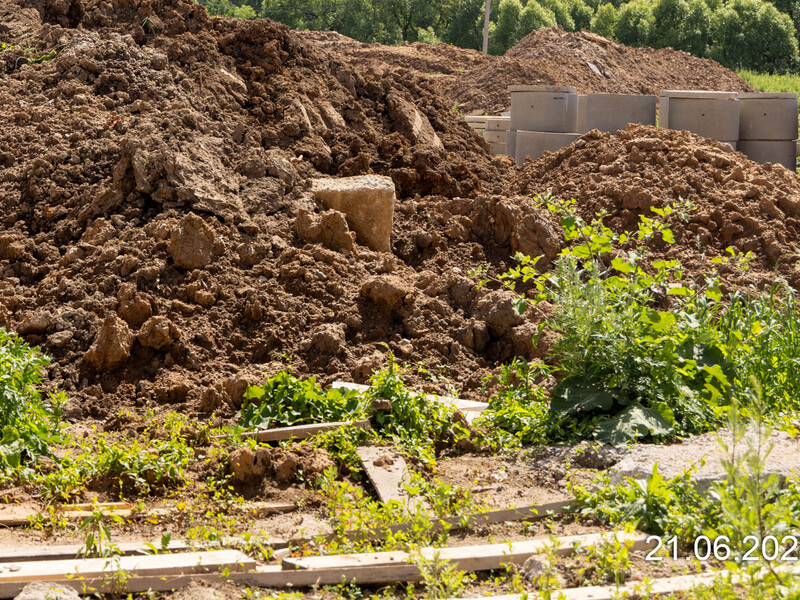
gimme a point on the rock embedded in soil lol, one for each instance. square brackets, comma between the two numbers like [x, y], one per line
[248, 465]
[388, 291]
[112, 345]
[367, 202]
[158, 333]
[329, 229]
[192, 243]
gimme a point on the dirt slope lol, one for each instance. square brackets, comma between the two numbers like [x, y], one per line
[152, 173]
[154, 176]
[550, 56]
[737, 203]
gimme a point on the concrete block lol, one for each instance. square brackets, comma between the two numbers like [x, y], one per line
[536, 143]
[672, 460]
[544, 108]
[713, 115]
[498, 123]
[367, 202]
[495, 137]
[780, 152]
[610, 112]
[511, 143]
[497, 148]
[770, 116]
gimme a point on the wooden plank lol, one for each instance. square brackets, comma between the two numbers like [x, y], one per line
[301, 432]
[141, 566]
[69, 551]
[380, 567]
[84, 506]
[525, 513]
[17, 516]
[462, 405]
[388, 478]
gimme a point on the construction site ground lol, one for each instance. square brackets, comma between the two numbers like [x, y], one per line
[161, 241]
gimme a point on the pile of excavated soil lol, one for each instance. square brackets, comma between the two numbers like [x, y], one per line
[152, 175]
[160, 240]
[591, 64]
[738, 203]
[479, 84]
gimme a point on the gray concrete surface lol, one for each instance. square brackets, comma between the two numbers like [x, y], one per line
[638, 461]
[768, 116]
[610, 112]
[544, 108]
[536, 143]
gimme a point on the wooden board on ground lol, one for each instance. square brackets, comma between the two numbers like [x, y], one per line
[20, 515]
[301, 432]
[70, 551]
[97, 574]
[389, 475]
[382, 567]
[469, 408]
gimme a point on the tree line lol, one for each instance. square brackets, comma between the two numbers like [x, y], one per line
[759, 35]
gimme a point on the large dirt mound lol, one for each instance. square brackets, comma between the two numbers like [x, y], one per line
[738, 203]
[550, 56]
[159, 238]
[591, 64]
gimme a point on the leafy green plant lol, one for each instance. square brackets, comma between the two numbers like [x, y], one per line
[28, 424]
[607, 562]
[655, 505]
[626, 368]
[97, 534]
[518, 407]
[442, 579]
[285, 400]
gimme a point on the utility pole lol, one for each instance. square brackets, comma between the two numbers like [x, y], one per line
[486, 27]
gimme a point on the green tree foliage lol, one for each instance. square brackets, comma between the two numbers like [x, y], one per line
[505, 32]
[581, 14]
[604, 20]
[634, 23]
[561, 10]
[669, 16]
[696, 29]
[760, 35]
[535, 16]
[753, 34]
[466, 25]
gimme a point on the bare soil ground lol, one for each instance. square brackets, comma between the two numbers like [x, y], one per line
[152, 168]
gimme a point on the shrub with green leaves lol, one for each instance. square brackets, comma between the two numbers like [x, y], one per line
[643, 352]
[604, 20]
[285, 400]
[28, 423]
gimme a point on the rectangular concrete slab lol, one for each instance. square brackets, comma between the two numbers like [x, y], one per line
[767, 116]
[610, 112]
[535, 143]
[773, 151]
[498, 123]
[544, 108]
[495, 137]
[367, 202]
[713, 115]
[674, 459]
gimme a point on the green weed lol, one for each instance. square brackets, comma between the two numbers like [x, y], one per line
[28, 424]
